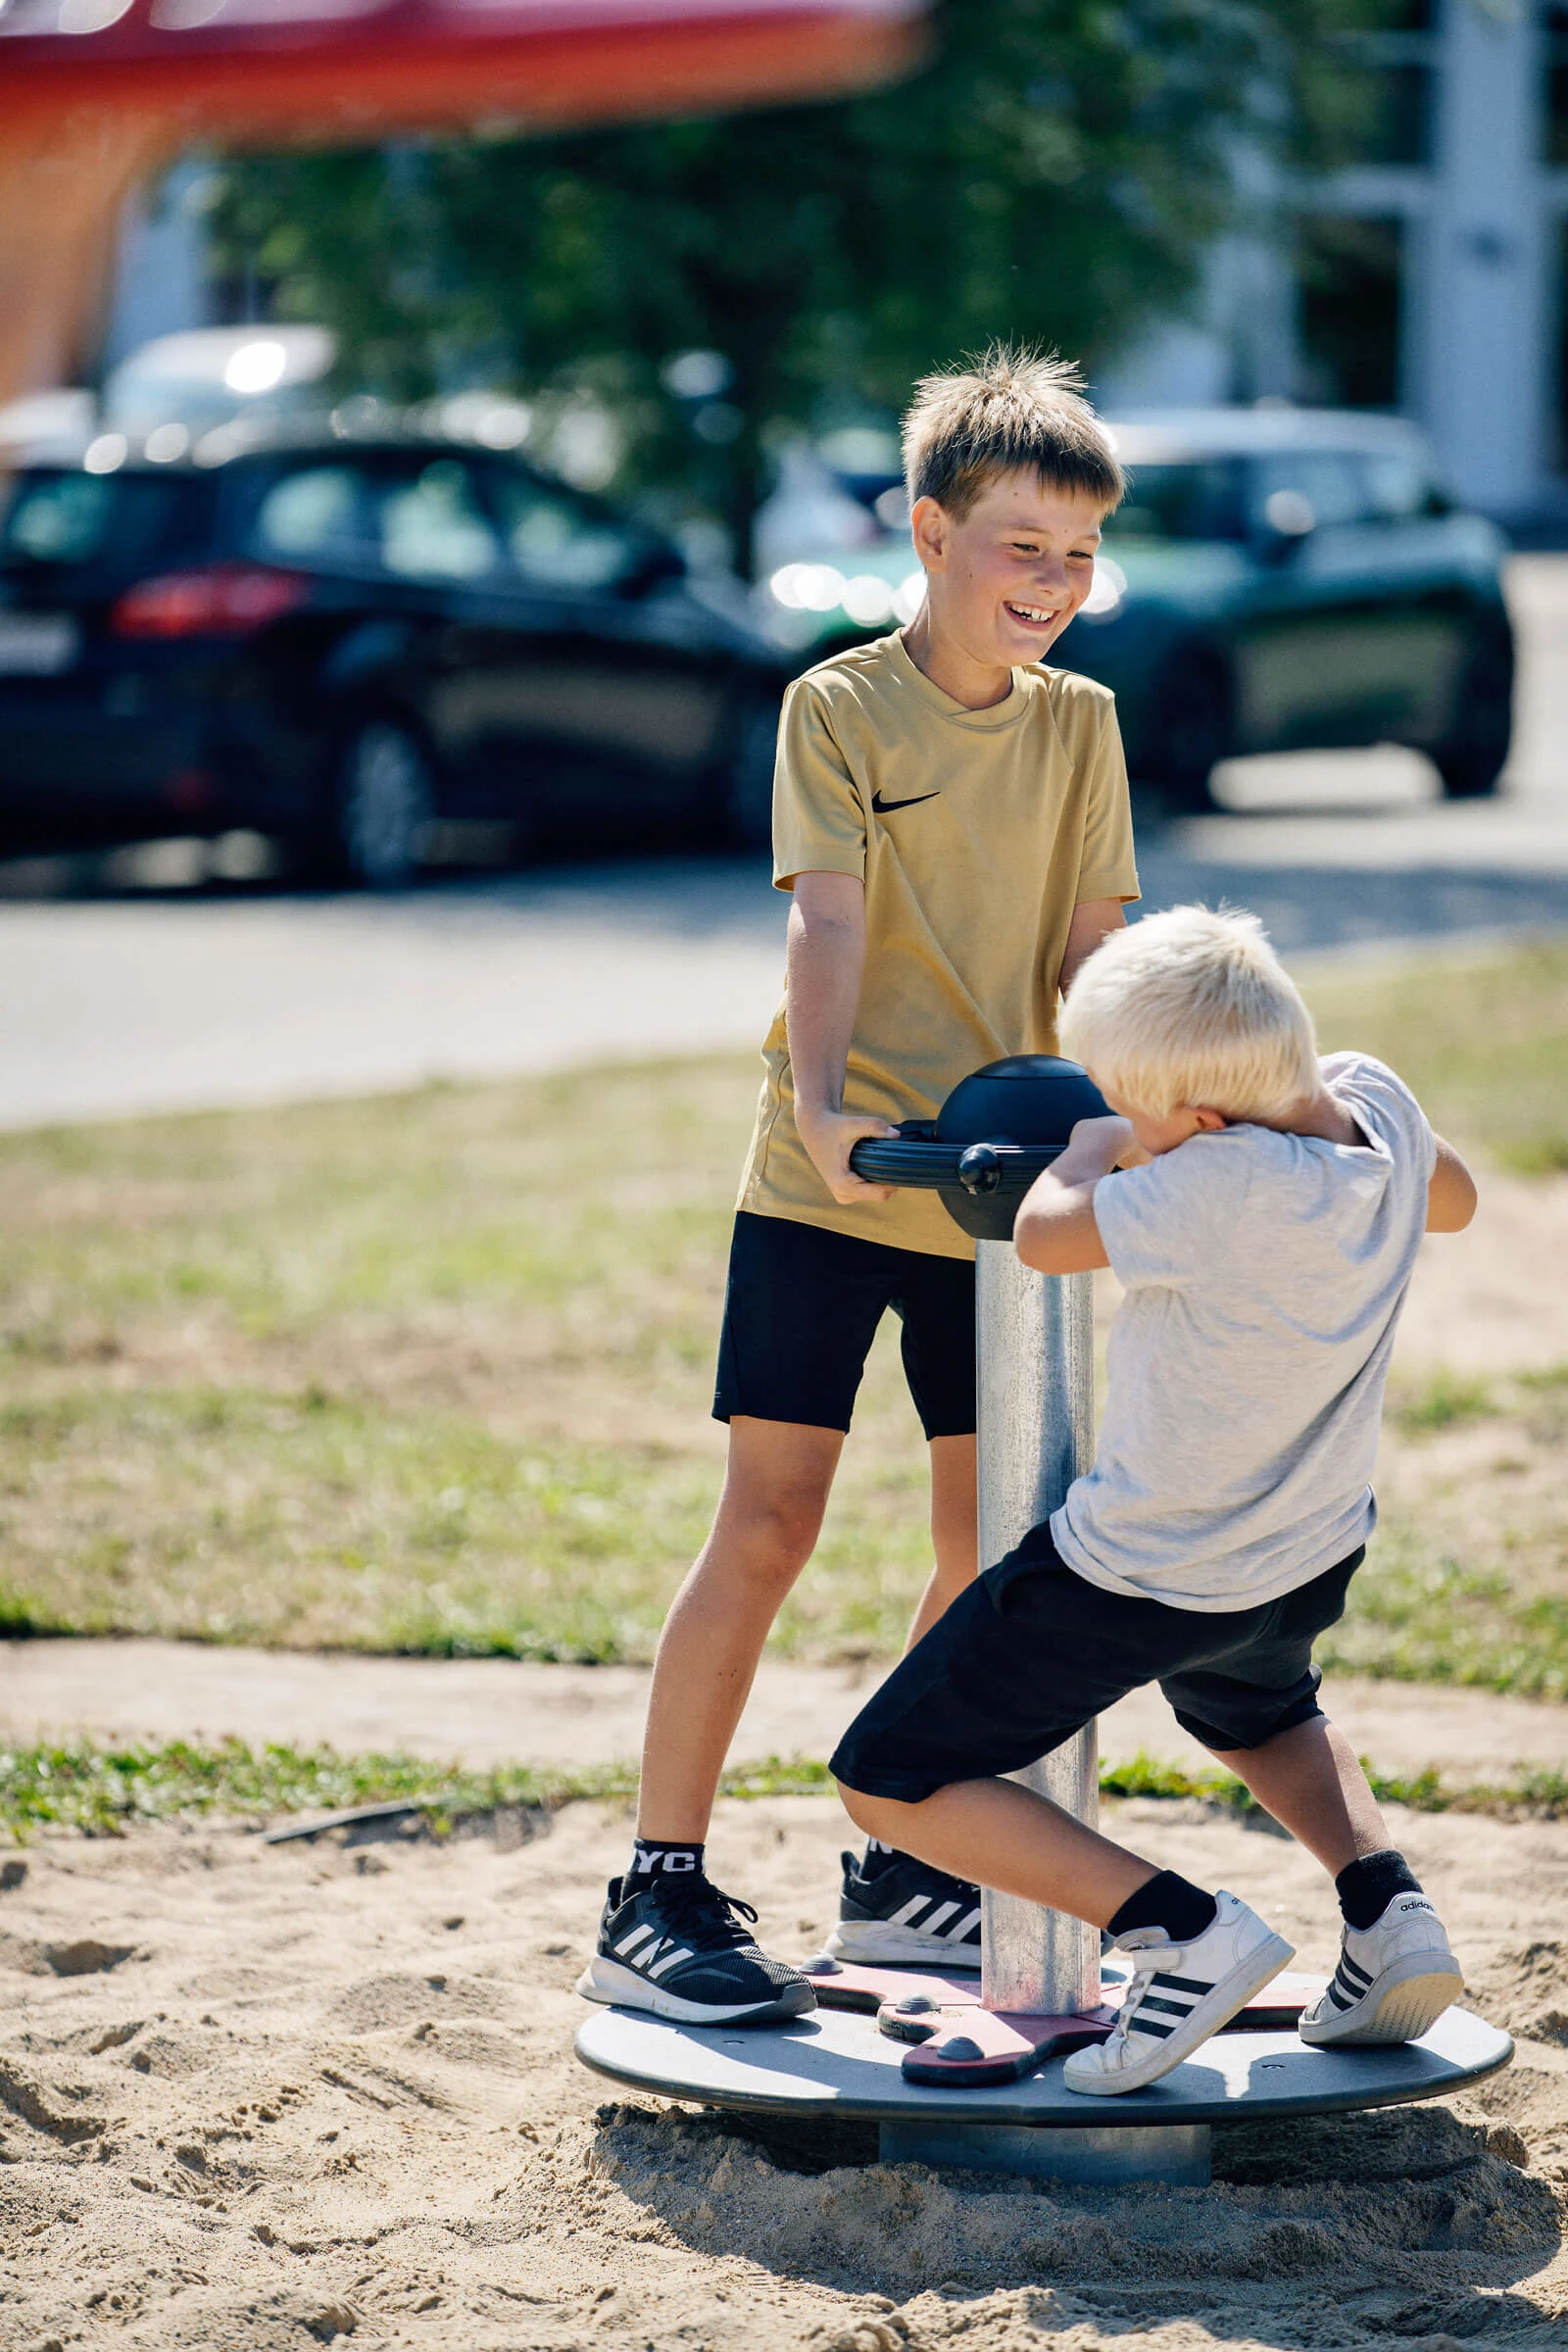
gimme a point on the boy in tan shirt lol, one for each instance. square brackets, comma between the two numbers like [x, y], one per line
[952, 818]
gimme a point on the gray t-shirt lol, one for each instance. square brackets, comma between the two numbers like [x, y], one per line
[1264, 1275]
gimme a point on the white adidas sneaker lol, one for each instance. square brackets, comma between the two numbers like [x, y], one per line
[1394, 1980]
[1179, 1995]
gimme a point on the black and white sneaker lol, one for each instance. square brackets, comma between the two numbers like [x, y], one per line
[1393, 1981]
[902, 1913]
[677, 1949]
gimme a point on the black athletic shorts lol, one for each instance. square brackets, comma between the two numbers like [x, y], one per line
[1030, 1652]
[801, 1310]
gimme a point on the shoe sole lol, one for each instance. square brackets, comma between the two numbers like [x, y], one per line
[880, 1943]
[1233, 1993]
[621, 1988]
[1401, 2005]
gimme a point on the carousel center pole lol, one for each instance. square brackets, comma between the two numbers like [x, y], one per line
[1036, 1397]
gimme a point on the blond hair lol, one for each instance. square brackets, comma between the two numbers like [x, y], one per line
[1009, 411]
[1193, 1009]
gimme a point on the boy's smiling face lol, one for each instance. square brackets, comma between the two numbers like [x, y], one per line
[1003, 582]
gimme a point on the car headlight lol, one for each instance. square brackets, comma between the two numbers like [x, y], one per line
[1108, 592]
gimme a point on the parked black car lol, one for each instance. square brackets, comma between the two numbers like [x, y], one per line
[1277, 579]
[341, 641]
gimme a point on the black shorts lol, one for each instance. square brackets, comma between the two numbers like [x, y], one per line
[801, 1310]
[1030, 1652]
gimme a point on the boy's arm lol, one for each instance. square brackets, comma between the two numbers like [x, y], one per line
[1451, 1192]
[1054, 1231]
[1092, 921]
[824, 958]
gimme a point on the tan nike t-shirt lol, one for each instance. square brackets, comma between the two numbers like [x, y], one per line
[976, 834]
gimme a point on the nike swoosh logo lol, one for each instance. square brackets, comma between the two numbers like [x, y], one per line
[886, 807]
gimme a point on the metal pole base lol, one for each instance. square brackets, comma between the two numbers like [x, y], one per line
[1176, 2153]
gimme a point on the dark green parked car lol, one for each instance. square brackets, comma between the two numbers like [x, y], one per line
[1277, 579]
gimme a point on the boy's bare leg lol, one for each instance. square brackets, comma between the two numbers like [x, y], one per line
[953, 1536]
[769, 1512]
[1008, 1838]
[1308, 1778]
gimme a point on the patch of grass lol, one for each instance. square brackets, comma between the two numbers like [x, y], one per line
[1482, 1039]
[1417, 1614]
[1442, 1399]
[106, 1791]
[372, 1375]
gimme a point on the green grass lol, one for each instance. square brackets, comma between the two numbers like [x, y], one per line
[1481, 1038]
[432, 1372]
[104, 1791]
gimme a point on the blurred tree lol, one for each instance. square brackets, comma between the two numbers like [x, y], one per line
[1052, 174]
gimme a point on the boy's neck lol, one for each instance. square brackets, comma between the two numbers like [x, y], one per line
[978, 686]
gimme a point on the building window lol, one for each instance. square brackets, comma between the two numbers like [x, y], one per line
[1350, 278]
[1388, 89]
[1554, 22]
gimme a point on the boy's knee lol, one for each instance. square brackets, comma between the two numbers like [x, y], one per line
[864, 1811]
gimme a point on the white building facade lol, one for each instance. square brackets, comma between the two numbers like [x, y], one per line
[1429, 278]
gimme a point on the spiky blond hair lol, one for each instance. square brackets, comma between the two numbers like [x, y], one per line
[1009, 411]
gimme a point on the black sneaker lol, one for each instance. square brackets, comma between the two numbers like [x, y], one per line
[677, 1949]
[906, 1913]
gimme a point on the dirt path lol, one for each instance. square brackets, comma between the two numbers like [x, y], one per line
[485, 1711]
[256, 2099]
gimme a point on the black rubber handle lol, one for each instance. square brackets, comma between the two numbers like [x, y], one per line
[976, 1168]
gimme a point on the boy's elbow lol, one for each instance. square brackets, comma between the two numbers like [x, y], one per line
[1451, 1205]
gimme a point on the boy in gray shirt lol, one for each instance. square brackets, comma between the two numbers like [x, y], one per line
[1262, 1209]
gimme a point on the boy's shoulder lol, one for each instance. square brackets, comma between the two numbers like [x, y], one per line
[858, 671]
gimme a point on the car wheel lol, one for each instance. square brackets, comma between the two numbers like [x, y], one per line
[385, 806]
[749, 778]
[1189, 732]
[1473, 758]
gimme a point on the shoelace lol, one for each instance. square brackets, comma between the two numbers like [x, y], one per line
[700, 1906]
[1147, 1966]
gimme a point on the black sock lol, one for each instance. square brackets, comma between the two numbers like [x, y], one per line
[653, 1857]
[877, 1858]
[1368, 1886]
[1171, 1902]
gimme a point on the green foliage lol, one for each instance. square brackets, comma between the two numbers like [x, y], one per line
[104, 1791]
[1052, 174]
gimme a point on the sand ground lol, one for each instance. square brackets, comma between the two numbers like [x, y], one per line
[257, 2098]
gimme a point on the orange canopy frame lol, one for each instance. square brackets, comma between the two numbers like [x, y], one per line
[95, 94]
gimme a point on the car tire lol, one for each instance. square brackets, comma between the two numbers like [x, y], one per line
[1189, 732]
[748, 790]
[1471, 760]
[383, 806]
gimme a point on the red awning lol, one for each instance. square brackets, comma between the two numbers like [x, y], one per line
[324, 69]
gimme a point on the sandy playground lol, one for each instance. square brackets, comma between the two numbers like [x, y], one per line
[256, 2097]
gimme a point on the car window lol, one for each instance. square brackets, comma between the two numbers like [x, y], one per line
[320, 514]
[555, 541]
[1400, 486]
[433, 527]
[1299, 490]
[122, 520]
[1198, 499]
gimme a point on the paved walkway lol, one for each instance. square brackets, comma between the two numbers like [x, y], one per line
[485, 1711]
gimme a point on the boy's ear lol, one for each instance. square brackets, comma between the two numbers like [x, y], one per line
[1210, 1121]
[928, 527]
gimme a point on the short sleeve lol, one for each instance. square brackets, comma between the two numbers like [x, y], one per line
[1108, 868]
[1382, 1102]
[819, 816]
[1169, 1223]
